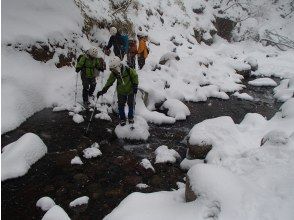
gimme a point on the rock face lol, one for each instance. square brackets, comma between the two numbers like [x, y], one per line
[198, 152]
[224, 27]
[189, 193]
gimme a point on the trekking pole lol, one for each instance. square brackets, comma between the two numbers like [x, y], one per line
[76, 91]
[91, 117]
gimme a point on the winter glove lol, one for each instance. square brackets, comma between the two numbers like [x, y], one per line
[135, 89]
[103, 91]
[78, 70]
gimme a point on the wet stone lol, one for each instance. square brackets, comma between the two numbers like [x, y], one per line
[81, 178]
[116, 192]
[133, 180]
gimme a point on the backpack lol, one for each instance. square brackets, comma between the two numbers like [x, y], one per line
[80, 57]
[132, 46]
[125, 40]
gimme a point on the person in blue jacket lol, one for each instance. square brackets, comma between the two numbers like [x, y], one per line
[117, 41]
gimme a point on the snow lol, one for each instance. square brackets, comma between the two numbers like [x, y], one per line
[285, 90]
[139, 131]
[186, 164]
[45, 203]
[56, 213]
[244, 96]
[176, 109]
[19, 156]
[287, 109]
[79, 201]
[76, 160]
[103, 116]
[142, 186]
[147, 164]
[263, 82]
[78, 118]
[165, 155]
[92, 151]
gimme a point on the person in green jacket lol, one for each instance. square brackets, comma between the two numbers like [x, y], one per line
[88, 63]
[127, 87]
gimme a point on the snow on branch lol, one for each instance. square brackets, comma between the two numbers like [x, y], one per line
[275, 39]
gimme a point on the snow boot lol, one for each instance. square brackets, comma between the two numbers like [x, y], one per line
[131, 121]
[122, 122]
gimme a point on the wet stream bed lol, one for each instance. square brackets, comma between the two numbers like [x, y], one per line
[108, 179]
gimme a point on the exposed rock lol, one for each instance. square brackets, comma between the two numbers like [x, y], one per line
[224, 27]
[115, 193]
[41, 53]
[133, 180]
[189, 193]
[245, 72]
[204, 36]
[198, 152]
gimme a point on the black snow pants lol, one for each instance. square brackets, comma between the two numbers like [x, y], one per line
[89, 85]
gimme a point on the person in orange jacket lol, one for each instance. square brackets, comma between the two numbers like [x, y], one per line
[142, 50]
[132, 52]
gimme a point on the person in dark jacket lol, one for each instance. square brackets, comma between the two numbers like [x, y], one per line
[116, 40]
[127, 87]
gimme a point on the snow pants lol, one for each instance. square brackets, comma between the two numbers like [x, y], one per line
[131, 60]
[89, 85]
[122, 100]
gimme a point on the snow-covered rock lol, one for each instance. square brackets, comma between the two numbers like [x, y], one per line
[176, 109]
[275, 137]
[285, 90]
[263, 82]
[19, 156]
[136, 131]
[287, 109]
[92, 151]
[77, 118]
[103, 116]
[77, 160]
[165, 155]
[186, 164]
[244, 96]
[45, 203]
[252, 62]
[142, 186]
[147, 164]
[56, 213]
[79, 201]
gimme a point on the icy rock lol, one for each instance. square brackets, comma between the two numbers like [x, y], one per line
[45, 203]
[263, 82]
[165, 155]
[19, 156]
[78, 118]
[186, 164]
[252, 62]
[275, 137]
[92, 151]
[138, 132]
[142, 186]
[147, 164]
[168, 56]
[77, 160]
[103, 116]
[176, 109]
[56, 213]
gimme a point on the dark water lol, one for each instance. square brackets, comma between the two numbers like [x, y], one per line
[111, 177]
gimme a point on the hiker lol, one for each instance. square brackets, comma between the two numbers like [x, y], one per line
[142, 50]
[127, 87]
[132, 52]
[88, 64]
[116, 40]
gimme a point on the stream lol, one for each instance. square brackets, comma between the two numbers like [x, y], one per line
[108, 179]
